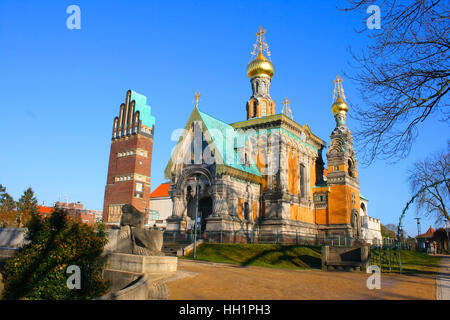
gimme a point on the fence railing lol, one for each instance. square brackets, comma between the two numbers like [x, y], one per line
[288, 238]
[387, 258]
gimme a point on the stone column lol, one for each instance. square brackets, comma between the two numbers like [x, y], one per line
[175, 221]
[308, 180]
[178, 206]
[250, 209]
[219, 201]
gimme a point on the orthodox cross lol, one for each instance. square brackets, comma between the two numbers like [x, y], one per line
[338, 88]
[286, 109]
[259, 37]
[197, 97]
[261, 45]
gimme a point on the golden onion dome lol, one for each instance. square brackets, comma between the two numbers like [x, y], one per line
[339, 105]
[260, 66]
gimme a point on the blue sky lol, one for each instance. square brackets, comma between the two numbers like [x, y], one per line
[60, 89]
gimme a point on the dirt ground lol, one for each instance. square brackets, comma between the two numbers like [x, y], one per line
[224, 281]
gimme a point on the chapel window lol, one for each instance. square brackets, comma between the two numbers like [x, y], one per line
[246, 211]
[302, 181]
[350, 168]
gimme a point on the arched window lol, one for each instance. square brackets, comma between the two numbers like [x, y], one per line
[188, 193]
[350, 168]
[246, 211]
[363, 211]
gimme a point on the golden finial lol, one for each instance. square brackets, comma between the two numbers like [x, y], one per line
[261, 44]
[286, 109]
[338, 88]
[339, 105]
[197, 98]
[260, 66]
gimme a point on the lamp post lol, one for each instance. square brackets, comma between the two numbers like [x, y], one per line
[418, 225]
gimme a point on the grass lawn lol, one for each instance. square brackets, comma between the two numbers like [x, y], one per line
[263, 255]
[304, 257]
[412, 262]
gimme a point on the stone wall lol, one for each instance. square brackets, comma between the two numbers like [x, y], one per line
[145, 287]
[12, 237]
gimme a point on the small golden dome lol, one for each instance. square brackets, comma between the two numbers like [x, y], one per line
[339, 105]
[260, 67]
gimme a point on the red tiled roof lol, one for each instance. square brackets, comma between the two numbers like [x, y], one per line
[428, 234]
[45, 210]
[161, 191]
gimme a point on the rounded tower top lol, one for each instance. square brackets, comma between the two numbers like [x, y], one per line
[339, 104]
[260, 66]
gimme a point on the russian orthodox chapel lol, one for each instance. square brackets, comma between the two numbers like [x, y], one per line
[267, 173]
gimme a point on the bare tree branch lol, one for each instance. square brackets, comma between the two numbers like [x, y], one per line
[403, 76]
[434, 200]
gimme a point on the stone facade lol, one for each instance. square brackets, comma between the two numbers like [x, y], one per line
[370, 227]
[265, 174]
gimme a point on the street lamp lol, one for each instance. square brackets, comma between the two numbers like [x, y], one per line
[418, 225]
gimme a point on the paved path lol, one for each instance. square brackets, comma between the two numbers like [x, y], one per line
[443, 280]
[225, 281]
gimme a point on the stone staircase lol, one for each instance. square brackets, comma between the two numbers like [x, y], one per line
[174, 248]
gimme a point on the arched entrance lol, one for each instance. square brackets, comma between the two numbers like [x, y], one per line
[204, 210]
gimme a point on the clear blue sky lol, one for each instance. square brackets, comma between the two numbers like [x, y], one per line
[60, 89]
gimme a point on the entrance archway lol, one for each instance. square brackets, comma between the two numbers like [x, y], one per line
[204, 210]
[205, 207]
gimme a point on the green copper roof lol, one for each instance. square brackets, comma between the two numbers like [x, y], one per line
[227, 140]
[145, 111]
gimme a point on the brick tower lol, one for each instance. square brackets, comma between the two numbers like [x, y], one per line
[130, 158]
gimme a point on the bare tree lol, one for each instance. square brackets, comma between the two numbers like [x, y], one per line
[403, 76]
[427, 174]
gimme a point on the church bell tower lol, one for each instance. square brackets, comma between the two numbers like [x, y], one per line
[260, 71]
[343, 171]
